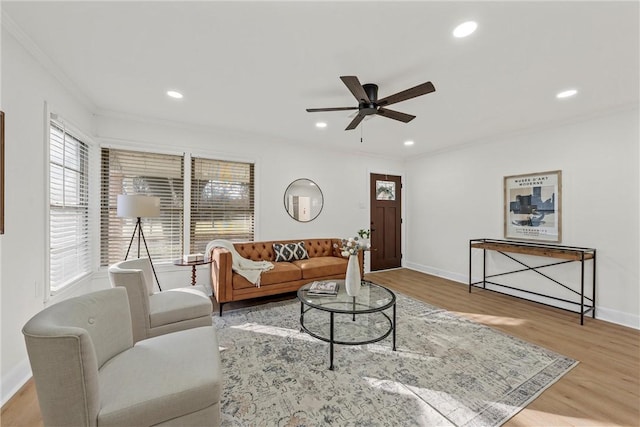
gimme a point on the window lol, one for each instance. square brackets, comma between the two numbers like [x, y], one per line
[69, 251]
[222, 202]
[132, 172]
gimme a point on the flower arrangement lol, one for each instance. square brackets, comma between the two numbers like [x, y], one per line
[364, 234]
[352, 246]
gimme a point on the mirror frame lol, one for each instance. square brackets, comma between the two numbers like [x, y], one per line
[319, 196]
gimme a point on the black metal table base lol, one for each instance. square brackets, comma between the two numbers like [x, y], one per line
[568, 254]
[331, 339]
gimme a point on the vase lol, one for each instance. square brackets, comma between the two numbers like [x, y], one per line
[352, 278]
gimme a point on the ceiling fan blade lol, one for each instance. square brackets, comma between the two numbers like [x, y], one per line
[419, 90]
[355, 122]
[315, 110]
[353, 84]
[396, 115]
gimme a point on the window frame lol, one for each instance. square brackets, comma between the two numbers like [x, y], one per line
[73, 131]
[189, 213]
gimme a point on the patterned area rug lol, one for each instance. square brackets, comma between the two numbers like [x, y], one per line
[447, 371]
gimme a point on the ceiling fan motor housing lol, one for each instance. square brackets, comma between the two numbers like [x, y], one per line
[372, 92]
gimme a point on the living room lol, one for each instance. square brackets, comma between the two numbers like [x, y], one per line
[452, 178]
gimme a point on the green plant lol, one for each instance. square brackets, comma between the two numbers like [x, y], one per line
[364, 234]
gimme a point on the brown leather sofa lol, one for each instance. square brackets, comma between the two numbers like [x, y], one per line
[324, 262]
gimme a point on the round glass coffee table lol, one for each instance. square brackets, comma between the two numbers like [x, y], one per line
[352, 320]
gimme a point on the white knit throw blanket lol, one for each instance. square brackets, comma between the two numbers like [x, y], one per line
[247, 268]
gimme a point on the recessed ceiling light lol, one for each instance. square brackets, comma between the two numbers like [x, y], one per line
[465, 29]
[321, 125]
[174, 94]
[566, 93]
[408, 143]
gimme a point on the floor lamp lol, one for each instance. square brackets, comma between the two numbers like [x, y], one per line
[138, 206]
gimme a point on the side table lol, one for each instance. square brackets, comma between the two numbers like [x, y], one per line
[193, 265]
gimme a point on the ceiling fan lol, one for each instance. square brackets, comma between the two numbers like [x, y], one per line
[368, 102]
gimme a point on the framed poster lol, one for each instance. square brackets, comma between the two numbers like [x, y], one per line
[532, 207]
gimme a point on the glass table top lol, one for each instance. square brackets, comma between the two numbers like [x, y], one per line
[372, 298]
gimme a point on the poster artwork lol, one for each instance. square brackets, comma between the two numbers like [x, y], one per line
[532, 206]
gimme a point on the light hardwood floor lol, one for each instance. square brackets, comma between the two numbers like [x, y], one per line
[603, 390]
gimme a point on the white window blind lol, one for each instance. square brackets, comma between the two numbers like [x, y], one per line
[132, 172]
[69, 250]
[222, 202]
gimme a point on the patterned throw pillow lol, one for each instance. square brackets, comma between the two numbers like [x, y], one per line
[290, 251]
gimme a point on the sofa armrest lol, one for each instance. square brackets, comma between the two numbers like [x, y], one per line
[221, 274]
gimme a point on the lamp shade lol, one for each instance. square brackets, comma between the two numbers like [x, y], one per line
[135, 205]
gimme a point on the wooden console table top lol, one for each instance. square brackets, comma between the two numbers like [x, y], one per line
[575, 254]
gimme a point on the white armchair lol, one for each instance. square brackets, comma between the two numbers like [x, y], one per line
[88, 371]
[158, 313]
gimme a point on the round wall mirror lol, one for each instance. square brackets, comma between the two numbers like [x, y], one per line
[303, 200]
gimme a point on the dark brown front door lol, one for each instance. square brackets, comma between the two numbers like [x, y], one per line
[386, 221]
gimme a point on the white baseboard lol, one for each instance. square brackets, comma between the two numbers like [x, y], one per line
[13, 380]
[618, 317]
[462, 278]
[602, 313]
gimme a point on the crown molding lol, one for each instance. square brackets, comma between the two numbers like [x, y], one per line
[45, 61]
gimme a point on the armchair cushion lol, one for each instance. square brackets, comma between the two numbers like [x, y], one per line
[176, 305]
[154, 382]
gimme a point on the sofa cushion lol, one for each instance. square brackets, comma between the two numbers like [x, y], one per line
[176, 305]
[322, 247]
[256, 251]
[321, 266]
[280, 273]
[152, 382]
[289, 251]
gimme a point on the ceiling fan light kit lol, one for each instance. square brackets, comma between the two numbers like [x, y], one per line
[369, 104]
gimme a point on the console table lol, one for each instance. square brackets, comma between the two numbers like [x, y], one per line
[564, 254]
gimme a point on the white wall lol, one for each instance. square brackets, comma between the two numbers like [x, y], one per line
[457, 195]
[25, 88]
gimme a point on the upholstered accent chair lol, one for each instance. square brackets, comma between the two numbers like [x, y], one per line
[157, 313]
[88, 371]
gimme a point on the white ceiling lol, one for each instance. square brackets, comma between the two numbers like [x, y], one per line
[254, 67]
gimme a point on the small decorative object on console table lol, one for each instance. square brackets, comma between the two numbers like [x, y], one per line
[351, 247]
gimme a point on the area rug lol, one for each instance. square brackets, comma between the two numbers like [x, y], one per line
[447, 371]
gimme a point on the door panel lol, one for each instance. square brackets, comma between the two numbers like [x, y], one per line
[386, 221]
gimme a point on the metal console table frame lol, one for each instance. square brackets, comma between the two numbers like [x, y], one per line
[567, 254]
[345, 304]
